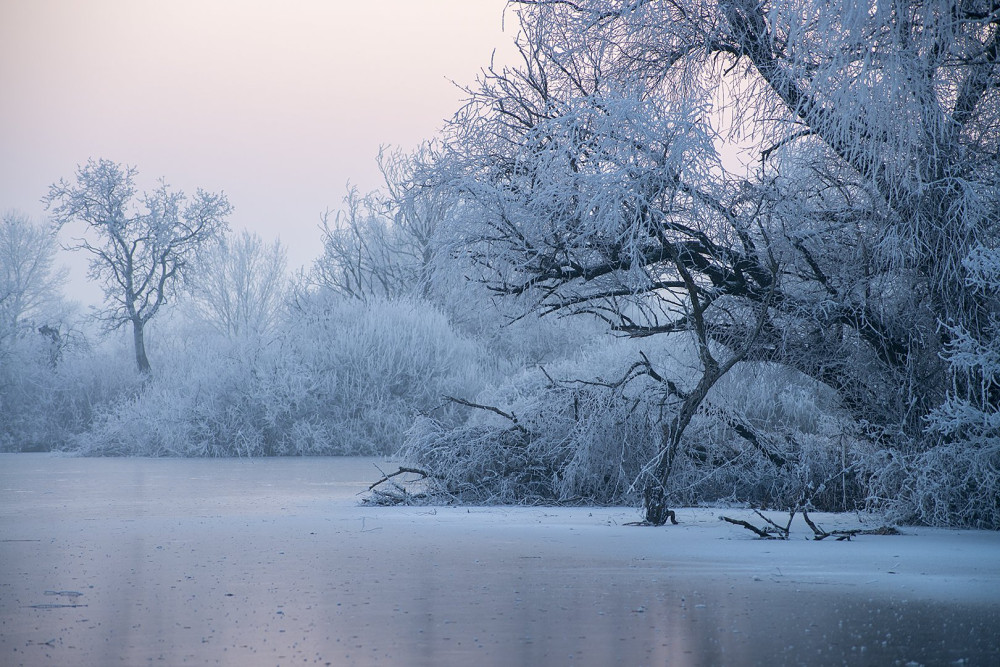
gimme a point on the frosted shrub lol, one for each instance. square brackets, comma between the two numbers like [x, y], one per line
[392, 360]
[534, 340]
[572, 442]
[769, 436]
[344, 378]
[25, 386]
[589, 441]
[48, 399]
[952, 484]
[553, 454]
[191, 407]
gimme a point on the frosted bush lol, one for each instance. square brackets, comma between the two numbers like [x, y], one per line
[392, 360]
[49, 397]
[954, 479]
[571, 443]
[952, 484]
[343, 378]
[189, 408]
[800, 440]
[587, 442]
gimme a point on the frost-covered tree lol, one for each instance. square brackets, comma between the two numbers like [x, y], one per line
[140, 245]
[240, 285]
[893, 110]
[51, 380]
[870, 138]
[32, 335]
[597, 195]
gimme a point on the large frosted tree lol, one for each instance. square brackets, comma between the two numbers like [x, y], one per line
[141, 245]
[869, 137]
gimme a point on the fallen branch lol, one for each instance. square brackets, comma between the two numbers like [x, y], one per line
[507, 415]
[397, 494]
[819, 533]
[783, 531]
[402, 470]
[760, 532]
[778, 532]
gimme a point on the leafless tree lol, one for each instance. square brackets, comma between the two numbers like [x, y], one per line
[387, 243]
[140, 244]
[240, 285]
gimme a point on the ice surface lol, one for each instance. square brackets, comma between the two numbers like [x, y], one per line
[273, 561]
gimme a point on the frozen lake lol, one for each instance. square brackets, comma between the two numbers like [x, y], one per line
[274, 562]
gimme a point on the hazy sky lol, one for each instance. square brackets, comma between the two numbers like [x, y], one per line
[278, 104]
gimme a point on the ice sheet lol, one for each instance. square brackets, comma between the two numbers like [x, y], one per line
[273, 561]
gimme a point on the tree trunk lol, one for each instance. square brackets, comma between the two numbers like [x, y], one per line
[140, 346]
[655, 492]
[655, 500]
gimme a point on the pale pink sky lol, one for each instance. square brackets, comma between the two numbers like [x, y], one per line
[278, 104]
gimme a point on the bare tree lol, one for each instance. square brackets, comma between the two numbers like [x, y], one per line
[597, 197]
[140, 245]
[419, 210]
[240, 285]
[365, 255]
[387, 243]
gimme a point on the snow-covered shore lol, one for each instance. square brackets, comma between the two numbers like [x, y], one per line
[273, 561]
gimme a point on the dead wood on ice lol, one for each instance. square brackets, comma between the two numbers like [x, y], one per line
[395, 493]
[760, 532]
[777, 532]
[402, 470]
